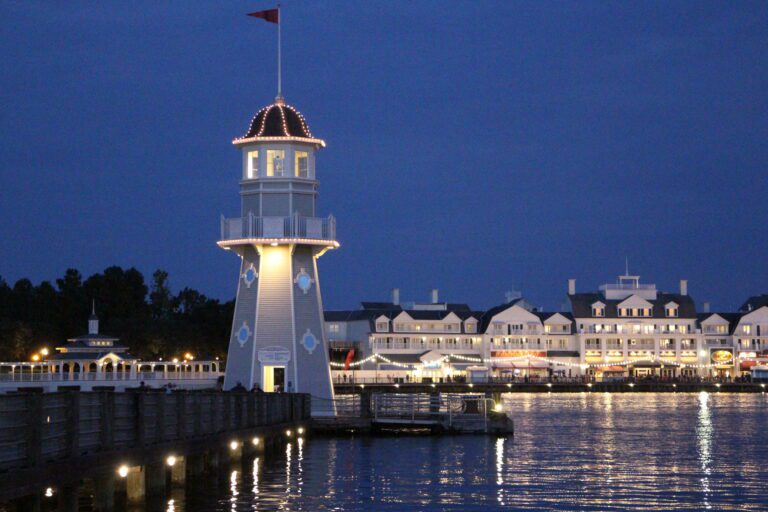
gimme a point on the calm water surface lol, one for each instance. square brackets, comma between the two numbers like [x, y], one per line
[570, 452]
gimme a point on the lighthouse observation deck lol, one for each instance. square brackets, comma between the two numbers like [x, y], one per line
[270, 230]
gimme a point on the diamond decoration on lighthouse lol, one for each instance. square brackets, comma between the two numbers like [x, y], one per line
[309, 341]
[250, 275]
[303, 281]
[243, 334]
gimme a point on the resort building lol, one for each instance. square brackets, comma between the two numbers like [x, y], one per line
[519, 342]
[629, 329]
[625, 329]
[421, 341]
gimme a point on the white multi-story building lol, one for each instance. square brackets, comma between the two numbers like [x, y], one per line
[624, 329]
[633, 329]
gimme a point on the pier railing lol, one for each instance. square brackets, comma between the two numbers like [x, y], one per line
[36, 428]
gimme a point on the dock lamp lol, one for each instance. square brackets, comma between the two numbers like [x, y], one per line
[122, 471]
[233, 445]
[171, 460]
[44, 352]
[255, 441]
[300, 430]
[288, 433]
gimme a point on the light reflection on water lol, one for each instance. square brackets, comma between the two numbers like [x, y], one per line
[587, 451]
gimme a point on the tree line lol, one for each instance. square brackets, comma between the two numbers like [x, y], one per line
[149, 318]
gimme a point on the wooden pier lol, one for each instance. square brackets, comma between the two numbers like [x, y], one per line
[434, 412]
[48, 438]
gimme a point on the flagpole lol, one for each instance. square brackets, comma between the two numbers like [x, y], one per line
[279, 61]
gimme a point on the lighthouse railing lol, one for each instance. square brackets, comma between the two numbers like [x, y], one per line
[251, 226]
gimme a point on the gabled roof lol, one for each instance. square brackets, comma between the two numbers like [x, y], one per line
[581, 305]
[547, 317]
[485, 319]
[373, 310]
[731, 318]
[754, 302]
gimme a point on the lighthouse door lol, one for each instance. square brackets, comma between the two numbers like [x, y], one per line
[273, 379]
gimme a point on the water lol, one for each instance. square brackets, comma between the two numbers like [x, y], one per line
[596, 451]
[570, 452]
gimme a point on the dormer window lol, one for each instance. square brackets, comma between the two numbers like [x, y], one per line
[301, 164]
[253, 165]
[598, 311]
[275, 162]
[671, 311]
[636, 312]
[471, 327]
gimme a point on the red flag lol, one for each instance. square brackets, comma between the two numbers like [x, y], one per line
[270, 15]
[350, 357]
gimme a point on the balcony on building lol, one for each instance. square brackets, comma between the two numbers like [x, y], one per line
[278, 230]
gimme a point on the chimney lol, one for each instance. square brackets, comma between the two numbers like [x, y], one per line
[706, 307]
[396, 296]
[571, 287]
[683, 287]
[434, 296]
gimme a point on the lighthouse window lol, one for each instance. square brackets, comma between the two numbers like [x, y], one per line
[275, 162]
[302, 164]
[253, 164]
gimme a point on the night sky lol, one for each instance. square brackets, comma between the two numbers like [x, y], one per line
[474, 147]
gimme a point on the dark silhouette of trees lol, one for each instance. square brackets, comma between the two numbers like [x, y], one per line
[151, 320]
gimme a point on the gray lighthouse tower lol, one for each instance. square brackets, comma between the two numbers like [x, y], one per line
[278, 340]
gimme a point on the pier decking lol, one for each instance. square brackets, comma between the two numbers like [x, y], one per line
[47, 437]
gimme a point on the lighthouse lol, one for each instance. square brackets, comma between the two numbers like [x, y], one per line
[278, 341]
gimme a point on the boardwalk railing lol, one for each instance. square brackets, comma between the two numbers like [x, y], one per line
[36, 428]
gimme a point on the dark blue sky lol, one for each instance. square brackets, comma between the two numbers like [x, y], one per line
[473, 147]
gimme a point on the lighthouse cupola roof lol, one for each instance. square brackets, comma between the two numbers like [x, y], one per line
[278, 121]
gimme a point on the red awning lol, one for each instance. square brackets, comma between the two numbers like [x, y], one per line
[746, 365]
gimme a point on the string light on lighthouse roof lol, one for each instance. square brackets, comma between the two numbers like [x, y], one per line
[262, 116]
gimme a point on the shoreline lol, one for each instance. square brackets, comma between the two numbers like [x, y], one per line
[554, 387]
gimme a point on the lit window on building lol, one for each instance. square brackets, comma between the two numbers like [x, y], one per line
[253, 164]
[301, 164]
[275, 162]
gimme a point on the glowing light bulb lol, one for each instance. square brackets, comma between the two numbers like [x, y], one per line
[171, 460]
[255, 441]
[122, 471]
[233, 445]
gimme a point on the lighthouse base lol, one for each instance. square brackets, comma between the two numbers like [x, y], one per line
[278, 339]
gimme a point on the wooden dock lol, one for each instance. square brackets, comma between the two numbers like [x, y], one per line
[433, 412]
[47, 438]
